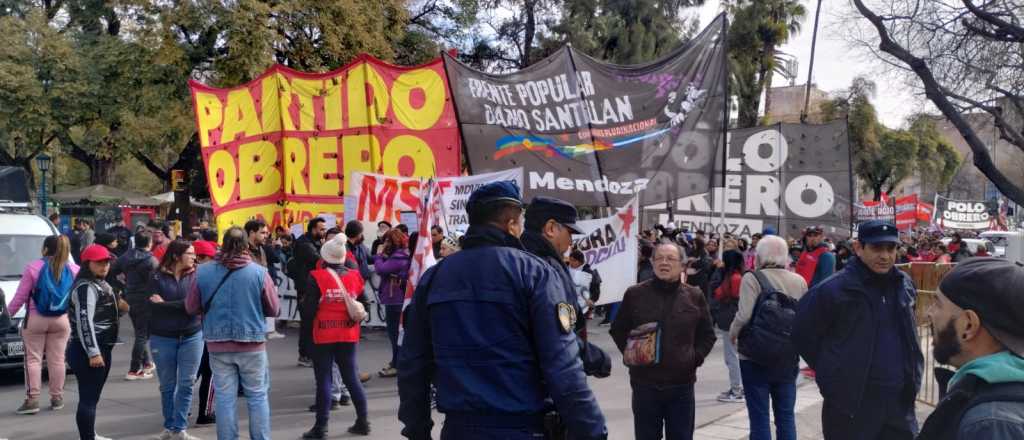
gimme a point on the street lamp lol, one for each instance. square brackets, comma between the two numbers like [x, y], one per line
[43, 162]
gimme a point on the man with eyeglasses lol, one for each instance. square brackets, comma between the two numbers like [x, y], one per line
[857, 330]
[663, 387]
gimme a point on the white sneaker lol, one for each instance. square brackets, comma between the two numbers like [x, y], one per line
[141, 375]
[182, 436]
[275, 335]
[100, 437]
[165, 435]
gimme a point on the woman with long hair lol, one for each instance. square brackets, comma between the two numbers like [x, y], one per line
[335, 334]
[94, 316]
[724, 304]
[46, 327]
[392, 262]
[176, 338]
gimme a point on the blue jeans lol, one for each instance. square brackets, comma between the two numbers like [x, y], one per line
[760, 387]
[394, 316]
[669, 409]
[177, 361]
[732, 360]
[250, 370]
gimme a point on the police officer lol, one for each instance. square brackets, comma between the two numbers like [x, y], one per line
[857, 330]
[491, 328]
[550, 224]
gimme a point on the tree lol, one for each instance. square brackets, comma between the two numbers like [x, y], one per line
[759, 28]
[39, 73]
[883, 158]
[937, 159]
[623, 32]
[517, 26]
[966, 57]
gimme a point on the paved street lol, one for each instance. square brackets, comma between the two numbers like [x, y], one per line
[131, 410]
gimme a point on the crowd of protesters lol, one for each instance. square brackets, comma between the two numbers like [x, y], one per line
[203, 306]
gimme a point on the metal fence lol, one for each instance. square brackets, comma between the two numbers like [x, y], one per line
[926, 277]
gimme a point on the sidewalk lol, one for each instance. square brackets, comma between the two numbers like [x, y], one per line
[808, 407]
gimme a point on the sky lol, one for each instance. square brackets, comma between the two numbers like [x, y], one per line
[836, 63]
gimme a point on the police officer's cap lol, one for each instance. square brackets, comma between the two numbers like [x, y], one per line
[878, 231]
[503, 191]
[542, 209]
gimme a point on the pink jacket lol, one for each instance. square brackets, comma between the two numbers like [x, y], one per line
[28, 283]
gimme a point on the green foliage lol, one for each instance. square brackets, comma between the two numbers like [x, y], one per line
[758, 29]
[624, 32]
[883, 158]
[937, 158]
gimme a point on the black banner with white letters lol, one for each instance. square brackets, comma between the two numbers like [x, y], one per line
[598, 134]
[783, 176]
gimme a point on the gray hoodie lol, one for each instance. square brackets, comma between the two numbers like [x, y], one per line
[136, 268]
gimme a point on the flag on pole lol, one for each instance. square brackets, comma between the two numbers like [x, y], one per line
[429, 213]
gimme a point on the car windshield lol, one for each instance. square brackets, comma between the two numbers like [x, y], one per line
[998, 241]
[16, 252]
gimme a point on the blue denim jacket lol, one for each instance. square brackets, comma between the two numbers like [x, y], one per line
[236, 312]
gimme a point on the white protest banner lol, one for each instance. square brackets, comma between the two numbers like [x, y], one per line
[377, 197]
[610, 247]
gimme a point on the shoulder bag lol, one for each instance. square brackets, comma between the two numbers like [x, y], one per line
[356, 310]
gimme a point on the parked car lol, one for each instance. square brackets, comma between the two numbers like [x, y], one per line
[21, 240]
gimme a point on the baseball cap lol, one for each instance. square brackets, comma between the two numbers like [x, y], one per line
[814, 230]
[205, 248]
[877, 231]
[543, 208]
[990, 287]
[95, 252]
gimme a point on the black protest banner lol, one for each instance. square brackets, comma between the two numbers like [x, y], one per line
[784, 176]
[598, 134]
[965, 214]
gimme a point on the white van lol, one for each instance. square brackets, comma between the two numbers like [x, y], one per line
[1008, 244]
[21, 242]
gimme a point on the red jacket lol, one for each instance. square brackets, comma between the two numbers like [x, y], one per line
[730, 287]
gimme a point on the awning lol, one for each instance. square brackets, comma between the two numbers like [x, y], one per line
[103, 194]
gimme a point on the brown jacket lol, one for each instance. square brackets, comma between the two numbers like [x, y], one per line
[687, 335]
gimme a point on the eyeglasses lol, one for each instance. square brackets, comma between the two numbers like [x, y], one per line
[668, 259]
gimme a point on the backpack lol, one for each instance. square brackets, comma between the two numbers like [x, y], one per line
[767, 339]
[50, 296]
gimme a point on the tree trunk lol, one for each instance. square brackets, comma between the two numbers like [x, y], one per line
[765, 78]
[101, 170]
[529, 29]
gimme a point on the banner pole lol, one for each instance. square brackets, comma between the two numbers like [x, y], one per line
[463, 151]
[849, 165]
[590, 125]
[725, 124]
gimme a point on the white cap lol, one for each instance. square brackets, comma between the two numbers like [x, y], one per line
[334, 251]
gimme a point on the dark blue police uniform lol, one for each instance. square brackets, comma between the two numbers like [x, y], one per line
[857, 330]
[487, 335]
